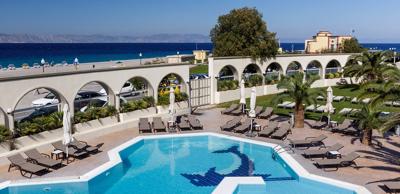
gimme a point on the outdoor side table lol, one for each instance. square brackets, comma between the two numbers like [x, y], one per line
[257, 127]
[171, 126]
[58, 154]
[333, 154]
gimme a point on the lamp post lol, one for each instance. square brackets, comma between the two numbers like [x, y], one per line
[140, 58]
[394, 56]
[179, 61]
[42, 62]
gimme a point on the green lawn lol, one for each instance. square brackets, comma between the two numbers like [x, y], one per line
[199, 69]
[349, 91]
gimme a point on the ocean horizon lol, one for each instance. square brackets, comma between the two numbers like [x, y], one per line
[53, 53]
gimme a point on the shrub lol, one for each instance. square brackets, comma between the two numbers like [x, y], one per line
[143, 103]
[337, 75]
[254, 80]
[164, 98]
[5, 133]
[224, 85]
[39, 124]
[93, 113]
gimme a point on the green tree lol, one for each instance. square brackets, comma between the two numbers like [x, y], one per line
[352, 46]
[300, 92]
[369, 66]
[368, 120]
[243, 32]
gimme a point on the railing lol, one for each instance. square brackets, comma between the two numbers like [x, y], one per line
[332, 70]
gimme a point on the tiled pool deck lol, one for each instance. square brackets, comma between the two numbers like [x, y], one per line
[375, 165]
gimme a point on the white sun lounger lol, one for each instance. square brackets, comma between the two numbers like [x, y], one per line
[312, 108]
[320, 98]
[283, 104]
[321, 108]
[366, 100]
[290, 105]
[338, 98]
[354, 100]
[345, 111]
[392, 103]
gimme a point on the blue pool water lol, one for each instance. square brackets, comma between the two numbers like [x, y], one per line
[189, 165]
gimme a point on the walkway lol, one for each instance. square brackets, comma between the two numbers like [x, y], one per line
[375, 164]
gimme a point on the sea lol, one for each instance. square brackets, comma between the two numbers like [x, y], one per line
[31, 53]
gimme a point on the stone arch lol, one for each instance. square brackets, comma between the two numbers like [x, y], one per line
[252, 75]
[96, 93]
[333, 66]
[294, 67]
[3, 118]
[314, 67]
[172, 80]
[140, 85]
[38, 101]
[273, 73]
[228, 72]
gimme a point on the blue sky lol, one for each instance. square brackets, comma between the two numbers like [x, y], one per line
[293, 20]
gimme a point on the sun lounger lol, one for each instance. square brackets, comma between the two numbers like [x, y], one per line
[144, 125]
[346, 128]
[258, 110]
[25, 168]
[158, 124]
[321, 153]
[243, 127]
[266, 114]
[366, 100]
[322, 108]
[42, 159]
[290, 105]
[312, 108]
[392, 187]
[338, 98]
[230, 109]
[82, 145]
[236, 112]
[345, 111]
[268, 130]
[308, 142]
[228, 126]
[322, 123]
[344, 161]
[282, 132]
[320, 98]
[184, 124]
[354, 100]
[72, 152]
[194, 122]
[283, 104]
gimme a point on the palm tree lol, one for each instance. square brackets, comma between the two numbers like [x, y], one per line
[300, 92]
[368, 120]
[370, 66]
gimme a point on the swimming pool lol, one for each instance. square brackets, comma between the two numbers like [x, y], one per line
[187, 164]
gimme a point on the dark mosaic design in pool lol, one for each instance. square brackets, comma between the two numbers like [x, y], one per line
[213, 178]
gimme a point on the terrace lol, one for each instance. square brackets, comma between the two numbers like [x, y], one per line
[376, 164]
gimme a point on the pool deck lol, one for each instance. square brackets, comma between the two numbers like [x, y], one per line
[376, 164]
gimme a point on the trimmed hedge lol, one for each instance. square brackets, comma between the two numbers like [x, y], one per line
[93, 113]
[164, 98]
[333, 75]
[253, 80]
[5, 133]
[40, 124]
[224, 85]
[143, 103]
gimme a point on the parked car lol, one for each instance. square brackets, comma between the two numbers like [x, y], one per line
[50, 98]
[126, 90]
[39, 112]
[199, 76]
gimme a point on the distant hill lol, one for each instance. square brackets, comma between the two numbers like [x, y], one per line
[156, 38]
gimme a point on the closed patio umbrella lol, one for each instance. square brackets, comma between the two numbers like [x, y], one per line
[67, 127]
[329, 107]
[242, 96]
[171, 109]
[252, 112]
